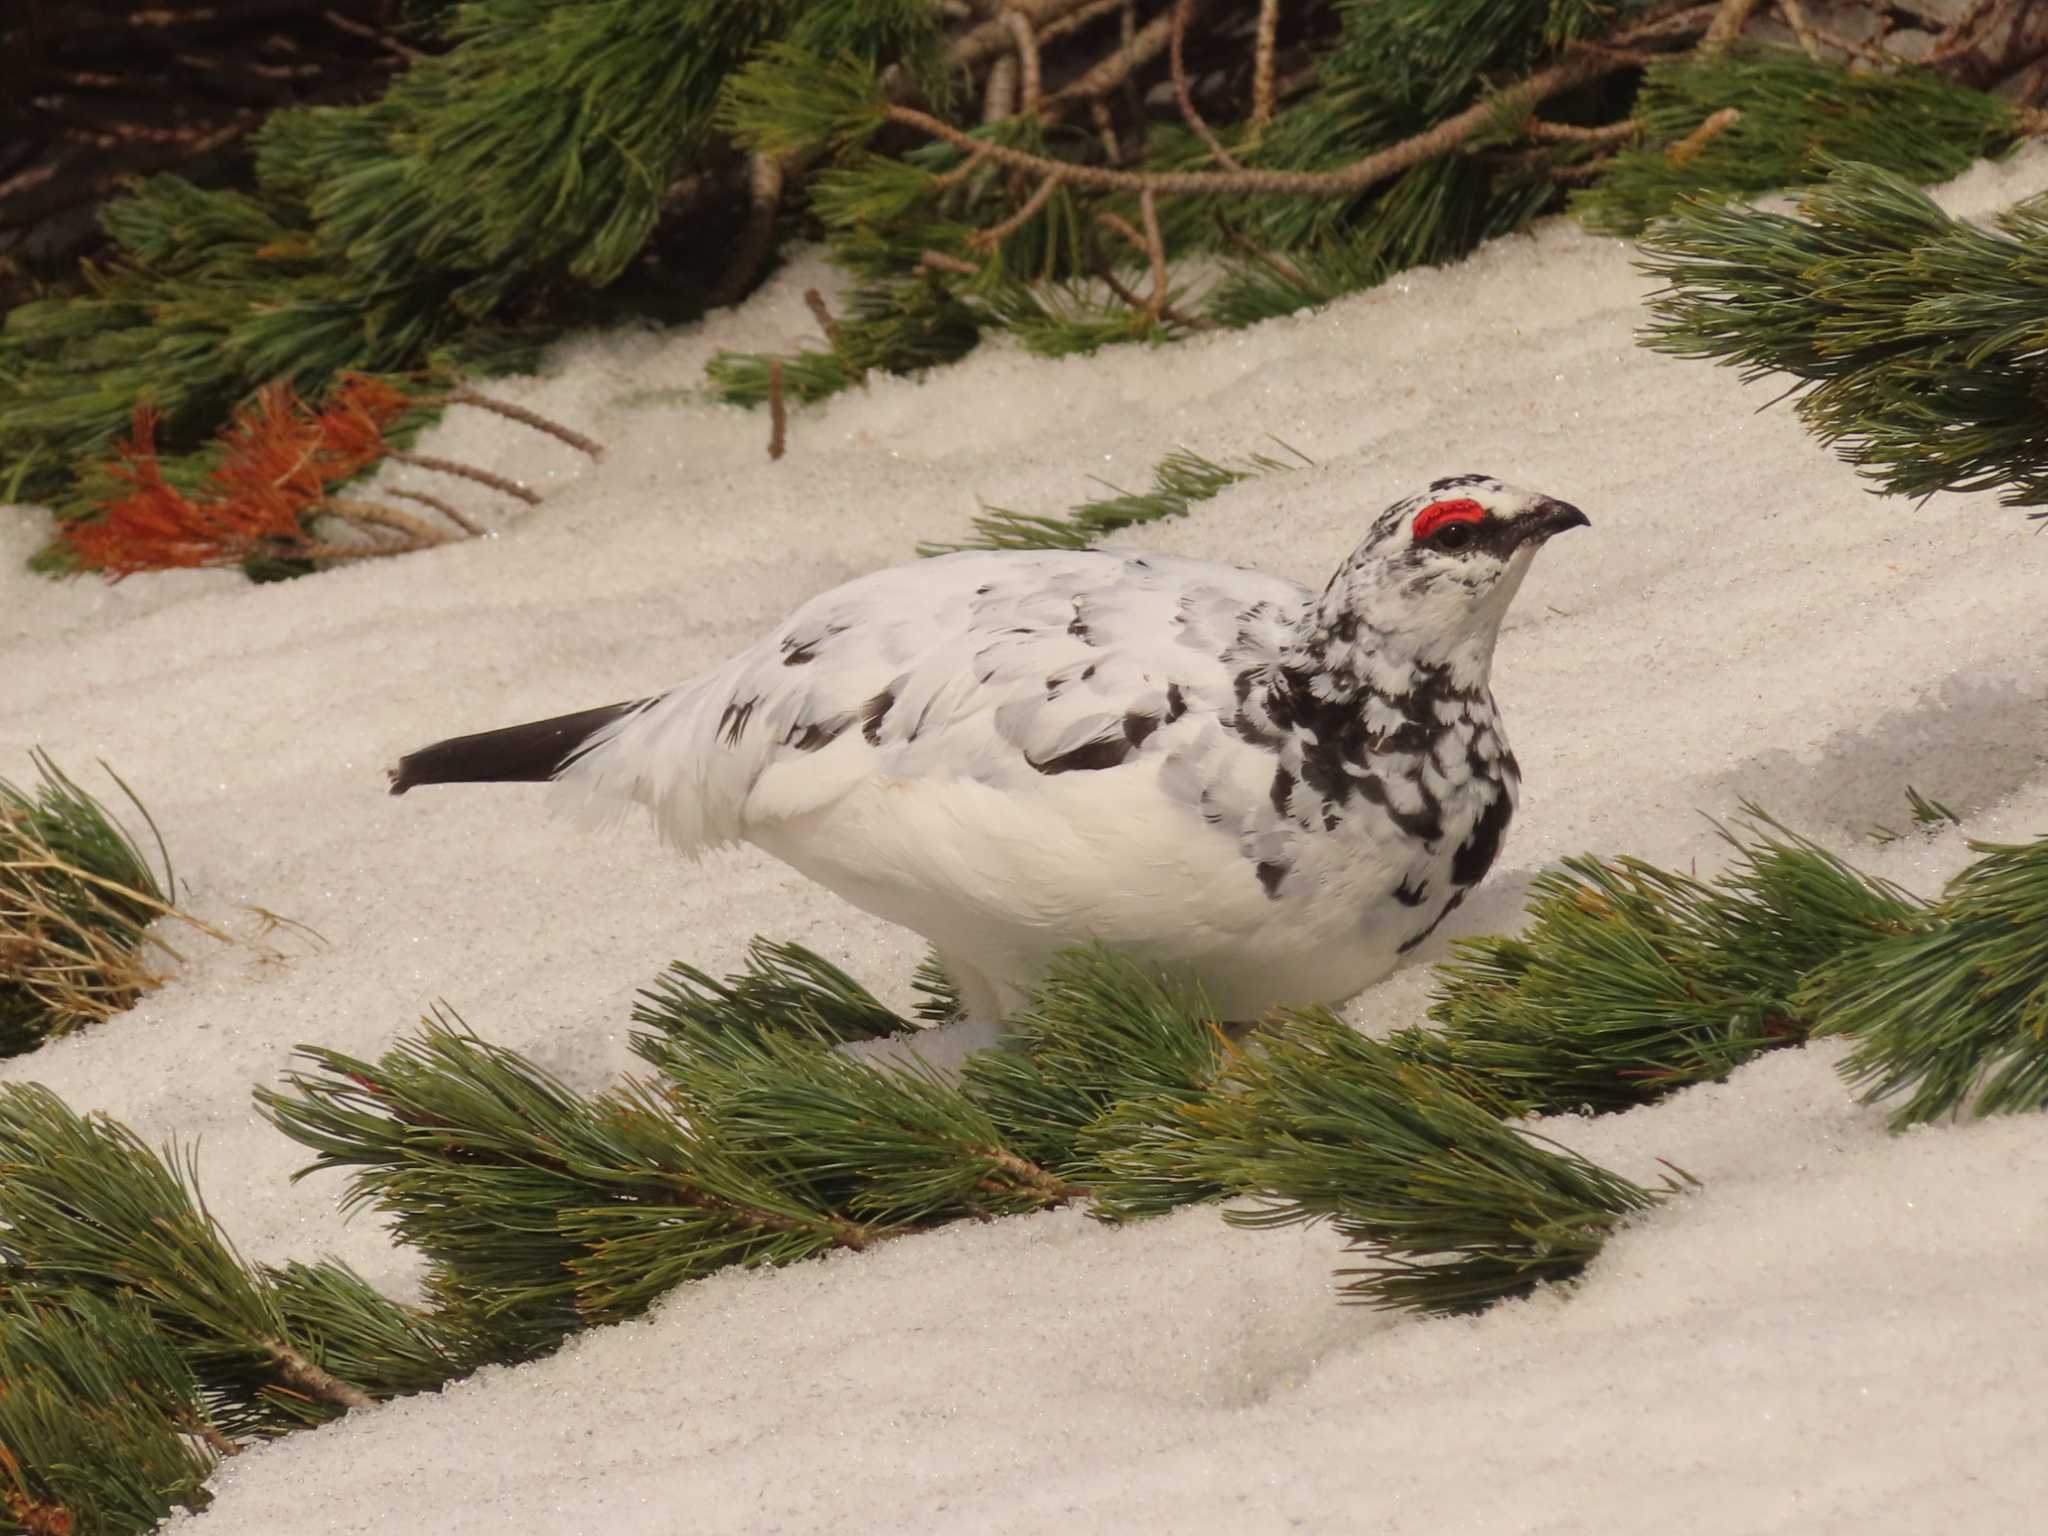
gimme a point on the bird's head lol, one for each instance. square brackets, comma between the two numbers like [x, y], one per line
[1433, 579]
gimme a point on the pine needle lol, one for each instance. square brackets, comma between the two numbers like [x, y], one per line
[1952, 1014]
[1632, 981]
[76, 901]
[1179, 480]
[1458, 1210]
[1914, 339]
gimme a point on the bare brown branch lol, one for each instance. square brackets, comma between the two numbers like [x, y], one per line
[988, 239]
[467, 472]
[1177, 63]
[1029, 1176]
[1578, 68]
[1961, 33]
[1027, 57]
[1145, 45]
[1270, 259]
[1105, 128]
[1572, 133]
[999, 91]
[454, 514]
[526, 417]
[778, 411]
[382, 39]
[993, 37]
[1708, 131]
[313, 1380]
[940, 261]
[1148, 205]
[1728, 23]
[814, 301]
[1262, 63]
[1795, 18]
[1094, 10]
[369, 514]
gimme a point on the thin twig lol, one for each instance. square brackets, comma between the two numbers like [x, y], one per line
[993, 37]
[964, 169]
[1042, 1182]
[988, 239]
[370, 514]
[1272, 259]
[1105, 126]
[1156, 308]
[1708, 131]
[1960, 34]
[1728, 23]
[1094, 10]
[845, 1233]
[778, 412]
[999, 91]
[1124, 227]
[207, 1431]
[1262, 64]
[1116, 285]
[376, 550]
[944, 263]
[1795, 18]
[454, 514]
[1573, 133]
[1849, 46]
[383, 40]
[467, 472]
[1156, 247]
[1580, 172]
[1575, 70]
[814, 301]
[314, 1380]
[1027, 56]
[1620, 58]
[1127, 50]
[1182, 10]
[1143, 46]
[464, 395]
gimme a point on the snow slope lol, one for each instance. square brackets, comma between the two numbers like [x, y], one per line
[1839, 1331]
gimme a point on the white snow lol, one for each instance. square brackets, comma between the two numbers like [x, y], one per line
[1839, 1331]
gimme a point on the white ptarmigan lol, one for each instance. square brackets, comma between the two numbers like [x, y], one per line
[1267, 790]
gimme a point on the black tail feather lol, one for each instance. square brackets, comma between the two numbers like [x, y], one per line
[519, 754]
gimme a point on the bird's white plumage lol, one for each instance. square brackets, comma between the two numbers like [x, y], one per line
[1269, 790]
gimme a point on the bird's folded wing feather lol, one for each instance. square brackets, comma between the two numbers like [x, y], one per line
[1000, 668]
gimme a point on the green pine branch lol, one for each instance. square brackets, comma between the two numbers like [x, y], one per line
[87, 1209]
[455, 223]
[761, 1142]
[1913, 338]
[77, 898]
[1631, 981]
[104, 1429]
[1455, 1210]
[524, 175]
[761, 1139]
[1787, 117]
[1952, 1014]
[1179, 480]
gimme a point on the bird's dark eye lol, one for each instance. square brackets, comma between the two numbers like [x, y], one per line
[1452, 536]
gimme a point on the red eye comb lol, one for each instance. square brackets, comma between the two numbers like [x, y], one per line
[1437, 513]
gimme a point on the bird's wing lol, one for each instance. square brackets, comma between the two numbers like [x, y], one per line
[995, 667]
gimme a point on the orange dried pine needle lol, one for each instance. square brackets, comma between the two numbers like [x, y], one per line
[280, 459]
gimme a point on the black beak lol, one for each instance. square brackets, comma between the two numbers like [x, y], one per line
[1549, 517]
